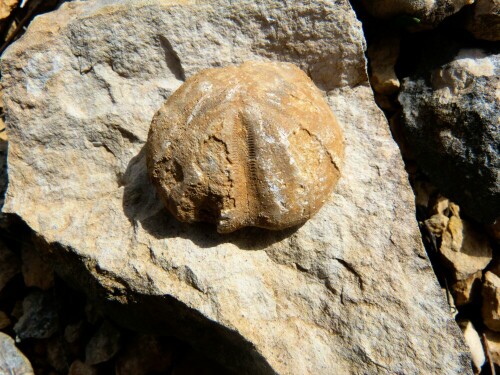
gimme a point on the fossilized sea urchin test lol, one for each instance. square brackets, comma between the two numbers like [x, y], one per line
[248, 145]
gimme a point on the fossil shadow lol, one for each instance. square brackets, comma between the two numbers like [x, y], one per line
[141, 204]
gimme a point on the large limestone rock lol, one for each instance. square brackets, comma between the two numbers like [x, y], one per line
[335, 296]
[451, 120]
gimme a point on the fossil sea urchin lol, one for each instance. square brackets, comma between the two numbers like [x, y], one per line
[248, 145]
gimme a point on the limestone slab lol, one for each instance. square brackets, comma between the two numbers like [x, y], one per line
[350, 291]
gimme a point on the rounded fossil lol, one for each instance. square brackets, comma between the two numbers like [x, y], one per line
[248, 145]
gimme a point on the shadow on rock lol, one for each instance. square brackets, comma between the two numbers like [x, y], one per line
[142, 204]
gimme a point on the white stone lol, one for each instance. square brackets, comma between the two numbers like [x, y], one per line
[474, 342]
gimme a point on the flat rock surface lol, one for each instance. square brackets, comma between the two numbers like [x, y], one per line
[351, 291]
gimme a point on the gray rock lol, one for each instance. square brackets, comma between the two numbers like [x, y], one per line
[451, 120]
[40, 316]
[12, 361]
[336, 295]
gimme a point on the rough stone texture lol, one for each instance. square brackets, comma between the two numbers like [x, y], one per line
[427, 12]
[491, 301]
[6, 7]
[248, 145]
[336, 295]
[484, 23]
[467, 290]
[464, 249]
[383, 54]
[12, 361]
[452, 123]
[437, 224]
[39, 319]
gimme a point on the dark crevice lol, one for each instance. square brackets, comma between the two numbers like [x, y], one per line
[172, 59]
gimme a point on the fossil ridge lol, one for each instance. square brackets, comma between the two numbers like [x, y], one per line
[248, 145]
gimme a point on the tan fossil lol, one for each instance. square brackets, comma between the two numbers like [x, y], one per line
[248, 145]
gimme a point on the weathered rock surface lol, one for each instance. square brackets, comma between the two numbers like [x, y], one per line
[427, 12]
[484, 22]
[39, 319]
[437, 224]
[12, 361]
[254, 144]
[6, 7]
[467, 290]
[491, 301]
[464, 249]
[336, 295]
[451, 120]
[383, 54]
